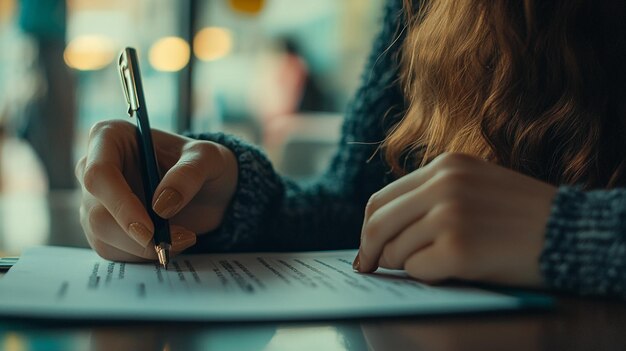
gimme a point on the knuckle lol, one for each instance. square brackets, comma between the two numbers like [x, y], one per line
[373, 204]
[219, 157]
[108, 127]
[84, 219]
[390, 257]
[443, 218]
[80, 166]
[452, 160]
[373, 228]
[91, 175]
[452, 211]
[119, 208]
[100, 128]
[452, 185]
[97, 128]
[203, 148]
[454, 178]
[95, 217]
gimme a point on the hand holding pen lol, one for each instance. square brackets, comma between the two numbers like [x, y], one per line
[150, 173]
[200, 178]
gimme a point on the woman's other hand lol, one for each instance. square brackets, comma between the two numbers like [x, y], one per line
[199, 181]
[458, 218]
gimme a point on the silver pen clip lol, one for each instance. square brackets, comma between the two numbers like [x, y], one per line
[128, 82]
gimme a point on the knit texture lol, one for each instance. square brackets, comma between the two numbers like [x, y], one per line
[585, 244]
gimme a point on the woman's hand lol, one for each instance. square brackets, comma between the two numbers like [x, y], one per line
[459, 217]
[199, 181]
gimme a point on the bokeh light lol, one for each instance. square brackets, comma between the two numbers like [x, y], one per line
[212, 43]
[7, 8]
[89, 52]
[251, 7]
[169, 54]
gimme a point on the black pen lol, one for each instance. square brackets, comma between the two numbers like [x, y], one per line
[151, 176]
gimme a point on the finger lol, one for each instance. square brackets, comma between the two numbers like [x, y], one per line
[430, 264]
[428, 187]
[101, 226]
[415, 237]
[104, 250]
[79, 170]
[199, 163]
[417, 179]
[111, 253]
[397, 188]
[102, 177]
[390, 220]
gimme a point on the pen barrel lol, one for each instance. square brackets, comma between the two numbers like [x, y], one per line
[150, 172]
[151, 176]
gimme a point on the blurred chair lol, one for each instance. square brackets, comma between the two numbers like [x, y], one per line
[305, 158]
[302, 145]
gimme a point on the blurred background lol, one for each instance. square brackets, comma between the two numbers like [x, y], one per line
[278, 73]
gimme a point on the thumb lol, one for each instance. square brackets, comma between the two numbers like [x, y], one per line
[197, 165]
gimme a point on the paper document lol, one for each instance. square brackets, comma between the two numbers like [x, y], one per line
[56, 282]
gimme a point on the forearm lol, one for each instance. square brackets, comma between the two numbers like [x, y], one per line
[273, 213]
[585, 244]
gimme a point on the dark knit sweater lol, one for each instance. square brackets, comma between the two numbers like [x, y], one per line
[585, 239]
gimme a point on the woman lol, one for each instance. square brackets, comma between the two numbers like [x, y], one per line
[484, 144]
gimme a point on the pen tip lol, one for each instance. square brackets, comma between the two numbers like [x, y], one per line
[164, 256]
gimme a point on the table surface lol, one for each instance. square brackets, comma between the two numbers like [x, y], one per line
[574, 324]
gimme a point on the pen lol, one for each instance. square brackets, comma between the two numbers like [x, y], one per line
[133, 91]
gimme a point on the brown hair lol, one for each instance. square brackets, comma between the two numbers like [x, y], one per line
[535, 86]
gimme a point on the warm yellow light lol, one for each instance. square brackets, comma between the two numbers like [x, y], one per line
[252, 7]
[7, 8]
[212, 43]
[89, 52]
[13, 342]
[169, 54]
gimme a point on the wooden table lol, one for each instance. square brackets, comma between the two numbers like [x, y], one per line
[575, 323]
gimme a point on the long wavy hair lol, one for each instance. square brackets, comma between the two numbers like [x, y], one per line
[535, 86]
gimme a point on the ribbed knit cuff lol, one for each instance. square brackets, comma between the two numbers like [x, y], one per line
[258, 188]
[585, 250]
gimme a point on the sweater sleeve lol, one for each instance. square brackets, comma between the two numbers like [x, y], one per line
[270, 212]
[585, 243]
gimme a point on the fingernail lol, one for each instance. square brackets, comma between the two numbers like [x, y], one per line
[183, 240]
[167, 203]
[357, 262]
[140, 234]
